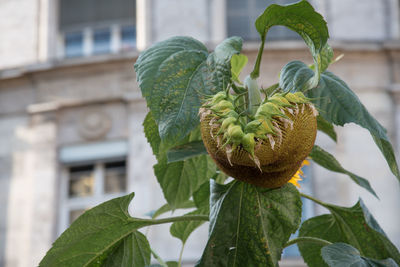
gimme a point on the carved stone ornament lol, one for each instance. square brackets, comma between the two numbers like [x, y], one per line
[94, 124]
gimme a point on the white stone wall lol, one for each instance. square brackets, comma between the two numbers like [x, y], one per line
[19, 38]
[180, 18]
[32, 201]
[28, 144]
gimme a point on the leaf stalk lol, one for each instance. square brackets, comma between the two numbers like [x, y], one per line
[171, 219]
[314, 199]
[309, 239]
[256, 71]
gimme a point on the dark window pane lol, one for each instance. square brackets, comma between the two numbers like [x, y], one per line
[101, 41]
[240, 26]
[73, 44]
[81, 181]
[74, 214]
[241, 20]
[115, 177]
[128, 37]
[89, 13]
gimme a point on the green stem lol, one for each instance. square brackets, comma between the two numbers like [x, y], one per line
[172, 219]
[307, 239]
[253, 93]
[180, 255]
[157, 257]
[314, 199]
[256, 71]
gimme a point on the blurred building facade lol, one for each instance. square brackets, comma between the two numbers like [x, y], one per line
[71, 110]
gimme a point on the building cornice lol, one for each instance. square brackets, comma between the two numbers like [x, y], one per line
[13, 73]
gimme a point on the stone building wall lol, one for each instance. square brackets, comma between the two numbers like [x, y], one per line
[41, 106]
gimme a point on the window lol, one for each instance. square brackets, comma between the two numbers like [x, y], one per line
[89, 27]
[242, 14]
[88, 185]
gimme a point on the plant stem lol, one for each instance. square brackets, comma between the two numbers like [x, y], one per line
[256, 71]
[314, 199]
[172, 219]
[180, 255]
[157, 257]
[253, 93]
[307, 239]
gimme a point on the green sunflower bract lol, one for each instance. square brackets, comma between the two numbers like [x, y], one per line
[266, 150]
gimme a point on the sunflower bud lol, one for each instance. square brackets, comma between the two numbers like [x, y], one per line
[268, 150]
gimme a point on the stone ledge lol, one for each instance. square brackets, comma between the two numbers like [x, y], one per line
[57, 105]
[18, 72]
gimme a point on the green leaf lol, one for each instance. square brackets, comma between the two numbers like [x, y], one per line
[217, 72]
[98, 232]
[344, 255]
[133, 251]
[326, 127]
[182, 230]
[238, 61]
[328, 161]
[150, 129]
[324, 227]
[186, 151]
[169, 74]
[166, 208]
[310, 25]
[173, 76]
[202, 196]
[354, 226]
[325, 58]
[178, 180]
[249, 225]
[295, 76]
[168, 264]
[338, 105]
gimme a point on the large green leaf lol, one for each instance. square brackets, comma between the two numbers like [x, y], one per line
[324, 227]
[99, 232]
[295, 76]
[133, 251]
[310, 25]
[202, 196]
[182, 230]
[249, 225]
[328, 161]
[344, 255]
[326, 127]
[173, 76]
[169, 74]
[354, 226]
[166, 208]
[339, 105]
[186, 151]
[178, 180]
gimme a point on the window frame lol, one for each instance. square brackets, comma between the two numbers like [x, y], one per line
[223, 20]
[67, 204]
[88, 35]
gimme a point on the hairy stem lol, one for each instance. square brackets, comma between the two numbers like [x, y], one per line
[307, 239]
[314, 199]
